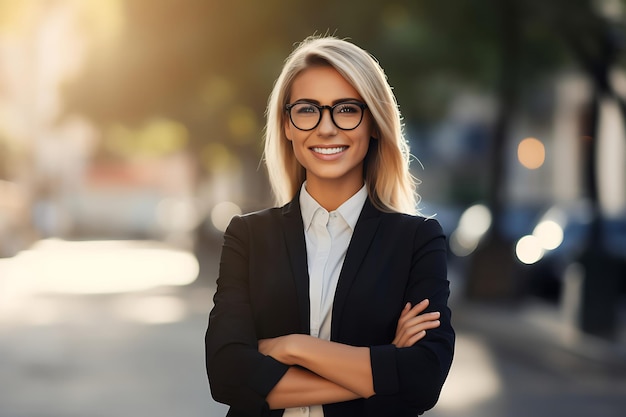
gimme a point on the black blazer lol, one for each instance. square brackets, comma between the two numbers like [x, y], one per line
[263, 292]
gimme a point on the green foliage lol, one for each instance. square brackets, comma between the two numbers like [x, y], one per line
[199, 61]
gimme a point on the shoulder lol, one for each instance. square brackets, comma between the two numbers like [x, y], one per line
[421, 235]
[413, 222]
[256, 218]
[402, 224]
[266, 218]
[261, 214]
[414, 230]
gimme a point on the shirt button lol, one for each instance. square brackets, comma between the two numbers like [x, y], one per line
[303, 409]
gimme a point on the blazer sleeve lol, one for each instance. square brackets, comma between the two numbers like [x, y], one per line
[238, 374]
[415, 375]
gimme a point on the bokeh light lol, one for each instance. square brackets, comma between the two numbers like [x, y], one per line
[157, 137]
[177, 214]
[217, 158]
[473, 224]
[222, 213]
[549, 233]
[529, 250]
[531, 153]
[243, 125]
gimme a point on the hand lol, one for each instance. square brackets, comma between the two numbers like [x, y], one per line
[412, 325]
[276, 347]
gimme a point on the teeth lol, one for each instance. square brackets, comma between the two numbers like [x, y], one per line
[330, 151]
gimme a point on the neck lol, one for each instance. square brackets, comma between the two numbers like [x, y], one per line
[332, 195]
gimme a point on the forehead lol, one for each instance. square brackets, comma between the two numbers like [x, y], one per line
[323, 84]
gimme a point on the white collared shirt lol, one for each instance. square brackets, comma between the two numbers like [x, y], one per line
[327, 237]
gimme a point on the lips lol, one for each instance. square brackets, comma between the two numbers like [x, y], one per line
[329, 150]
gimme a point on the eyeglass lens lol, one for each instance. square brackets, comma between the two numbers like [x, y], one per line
[306, 116]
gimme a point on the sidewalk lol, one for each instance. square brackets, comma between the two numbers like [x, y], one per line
[526, 360]
[544, 329]
[141, 353]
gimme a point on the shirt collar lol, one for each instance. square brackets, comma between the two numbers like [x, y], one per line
[349, 210]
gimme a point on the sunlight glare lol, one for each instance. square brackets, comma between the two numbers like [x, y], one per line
[56, 266]
[151, 309]
[473, 377]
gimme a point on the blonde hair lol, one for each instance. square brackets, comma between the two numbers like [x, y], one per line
[390, 185]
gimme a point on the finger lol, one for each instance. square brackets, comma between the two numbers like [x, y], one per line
[410, 338]
[413, 312]
[416, 338]
[419, 322]
[404, 316]
[408, 312]
[421, 318]
[424, 325]
[412, 335]
[419, 307]
[407, 332]
[401, 340]
[405, 310]
[409, 320]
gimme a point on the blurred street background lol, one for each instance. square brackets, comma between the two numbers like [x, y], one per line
[131, 132]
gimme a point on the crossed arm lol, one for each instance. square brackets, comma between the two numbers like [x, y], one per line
[295, 370]
[325, 372]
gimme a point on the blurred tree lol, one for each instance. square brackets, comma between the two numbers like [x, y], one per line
[195, 60]
[492, 273]
[211, 65]
[595, 41]
[518, 51]
[597, 36]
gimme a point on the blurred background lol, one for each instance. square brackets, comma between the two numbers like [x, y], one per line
[131, 132]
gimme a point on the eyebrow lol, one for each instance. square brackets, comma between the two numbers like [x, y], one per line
[340, 100]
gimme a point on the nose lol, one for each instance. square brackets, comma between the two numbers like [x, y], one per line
[327, 126]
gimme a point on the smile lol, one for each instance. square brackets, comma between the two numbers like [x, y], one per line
[330, 151]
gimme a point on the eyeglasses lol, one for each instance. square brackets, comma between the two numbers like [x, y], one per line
[345, 115]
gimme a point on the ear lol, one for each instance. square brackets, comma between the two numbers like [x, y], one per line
[374, 134]
[287, 129]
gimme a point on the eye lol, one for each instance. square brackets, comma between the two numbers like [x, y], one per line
[348, 108]
[305, 108]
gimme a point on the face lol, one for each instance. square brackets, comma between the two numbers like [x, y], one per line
[331, 156]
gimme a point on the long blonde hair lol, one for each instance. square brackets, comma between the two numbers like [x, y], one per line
[391, 187]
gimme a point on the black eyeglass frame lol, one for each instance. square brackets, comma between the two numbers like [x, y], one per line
[331, 110]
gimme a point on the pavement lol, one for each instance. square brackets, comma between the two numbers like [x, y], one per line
[140, 353]
[534, 363]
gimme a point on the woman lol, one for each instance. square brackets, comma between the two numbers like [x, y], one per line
[334, 304]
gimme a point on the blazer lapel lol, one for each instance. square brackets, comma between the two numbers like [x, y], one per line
[293, 230]
[361, 240]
